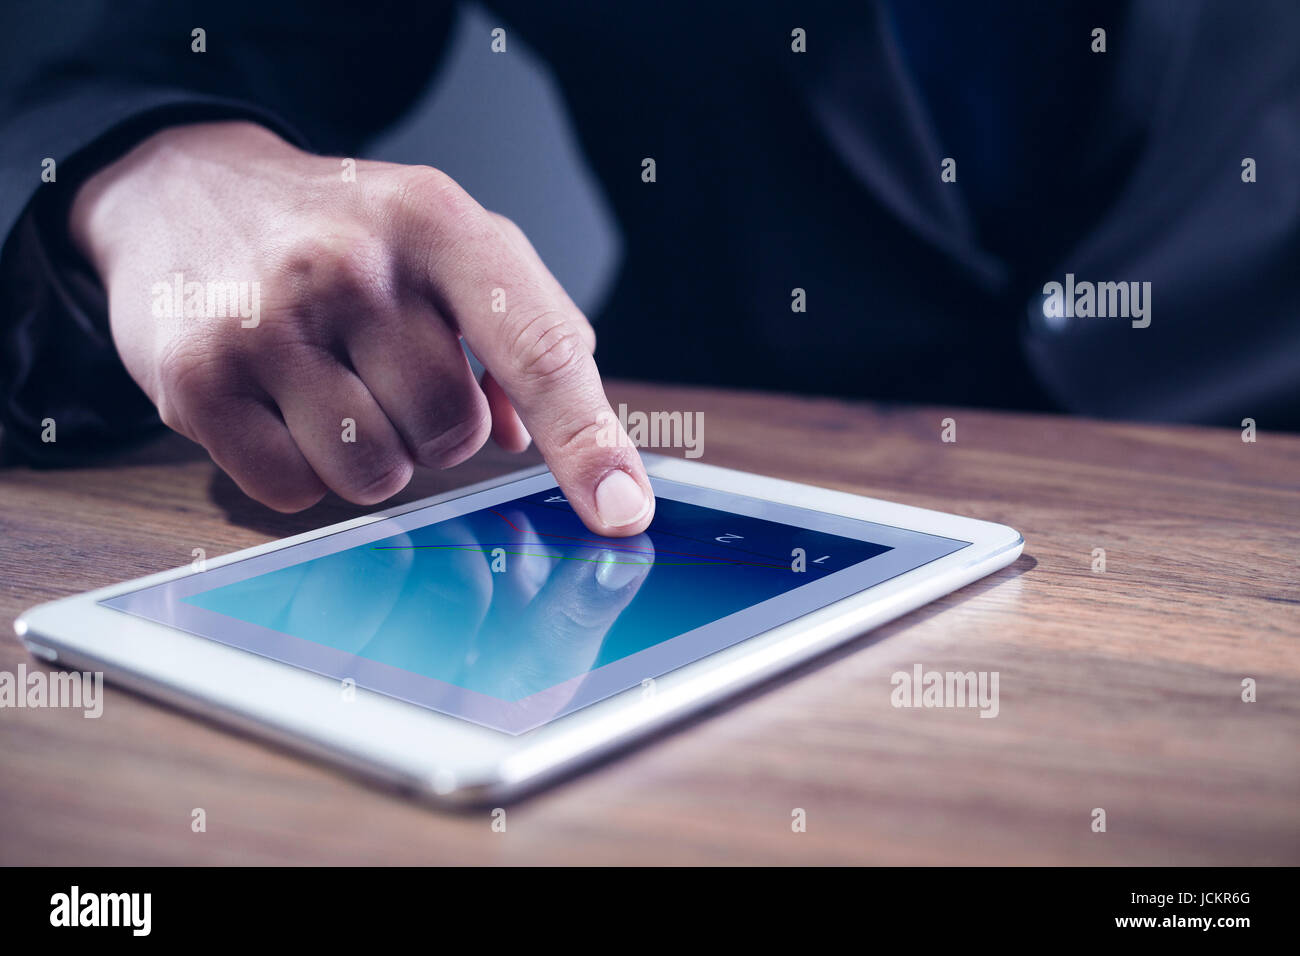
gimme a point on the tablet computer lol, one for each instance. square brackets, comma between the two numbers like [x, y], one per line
[478, 643]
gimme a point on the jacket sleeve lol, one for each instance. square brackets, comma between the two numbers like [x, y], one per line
[81, 83]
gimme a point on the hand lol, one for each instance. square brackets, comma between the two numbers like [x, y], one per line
[355, 296]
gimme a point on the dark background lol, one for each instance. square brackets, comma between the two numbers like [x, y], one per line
[776, 170]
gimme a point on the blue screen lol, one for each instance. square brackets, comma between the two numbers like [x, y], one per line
[511, 600]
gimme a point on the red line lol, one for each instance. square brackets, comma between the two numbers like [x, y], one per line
[683, 554]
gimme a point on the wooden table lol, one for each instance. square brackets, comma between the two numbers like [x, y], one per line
[1120, 690]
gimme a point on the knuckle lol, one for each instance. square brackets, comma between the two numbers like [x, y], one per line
[467, 431]
[280, 485]
[419, 182]
[176, 368]
[544, 344]
[333, 265]
[284, 338]
[380, 478]
[578, 438]
[292, 500]
[298, 341]
[267, 470]
[424, 191]
[510, 227]
[190, 375]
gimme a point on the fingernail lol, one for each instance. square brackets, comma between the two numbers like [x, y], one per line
[620, 500]
[616, 570]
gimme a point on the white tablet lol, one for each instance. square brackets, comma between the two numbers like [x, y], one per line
[477, 643]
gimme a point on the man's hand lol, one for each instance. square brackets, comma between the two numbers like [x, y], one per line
[364, 287]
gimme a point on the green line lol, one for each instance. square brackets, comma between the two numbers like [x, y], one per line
[556, 557]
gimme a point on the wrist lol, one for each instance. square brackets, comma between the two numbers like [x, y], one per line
[108, 204]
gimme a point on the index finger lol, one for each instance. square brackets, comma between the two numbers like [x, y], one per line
[530, 336]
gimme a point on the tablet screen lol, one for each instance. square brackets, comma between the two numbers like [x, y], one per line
[501, 608]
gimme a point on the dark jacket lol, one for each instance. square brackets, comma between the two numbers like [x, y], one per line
[775, 170]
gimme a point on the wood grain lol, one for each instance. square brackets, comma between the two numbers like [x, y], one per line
[1119, 690]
